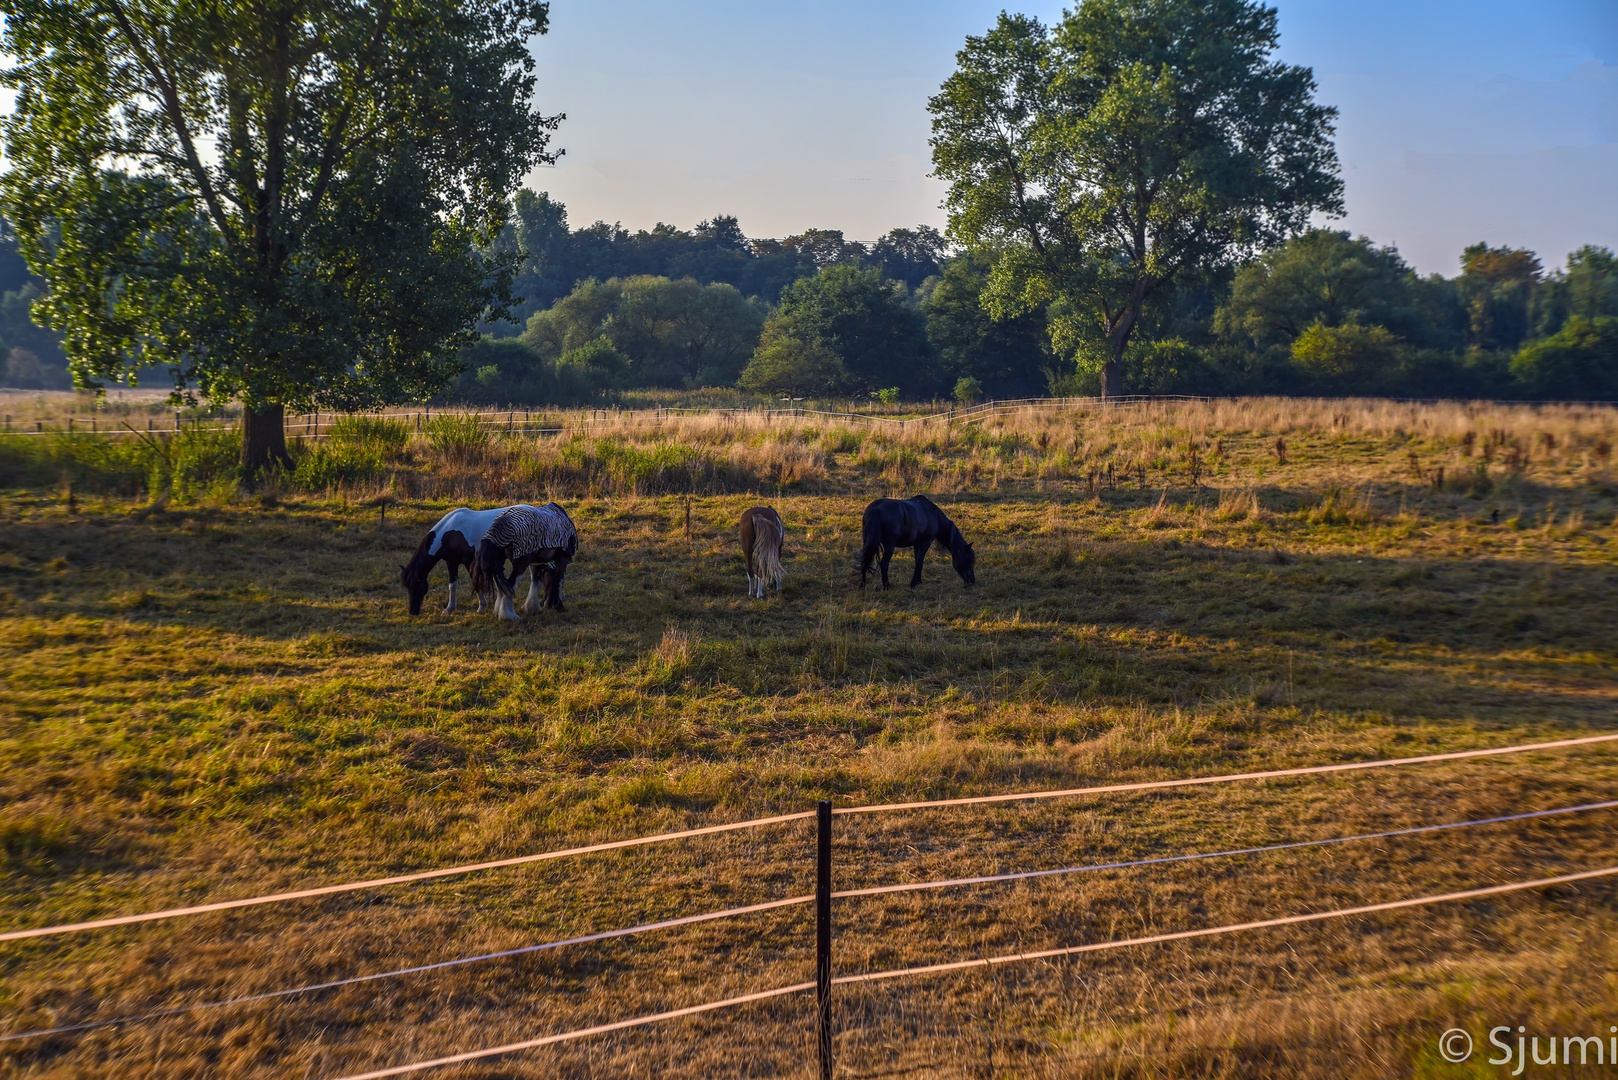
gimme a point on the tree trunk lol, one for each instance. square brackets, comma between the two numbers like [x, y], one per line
[264, 439]
[1112, 379]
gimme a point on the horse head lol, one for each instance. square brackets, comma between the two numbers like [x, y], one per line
[415, 586]
[964, 558]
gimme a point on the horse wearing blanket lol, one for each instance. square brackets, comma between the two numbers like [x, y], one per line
[452, 541]
[539, 537]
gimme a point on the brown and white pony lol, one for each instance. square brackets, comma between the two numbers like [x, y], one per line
[537, 538]
[762, 534]
[453, 541]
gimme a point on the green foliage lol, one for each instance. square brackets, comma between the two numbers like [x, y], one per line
[204, 460]
[888, 395]
[1009, 357]
[863, 321]
[1326, 277]
[1498, 287]
[794, 361]
[386, 436]
[1578, 361]
[1345, 357]
[1133, 142]
[283, 204]
[1588, 287]
[594, 367]
[968, 391]
[329, 465]
[670, 333]
[461, 437]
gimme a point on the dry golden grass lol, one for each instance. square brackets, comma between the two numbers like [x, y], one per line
[227, 697]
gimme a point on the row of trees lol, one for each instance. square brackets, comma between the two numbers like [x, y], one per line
[311, 205]
[554, 258]
[1322, 313]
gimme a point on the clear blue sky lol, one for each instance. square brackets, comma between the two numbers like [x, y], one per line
[1461, 121]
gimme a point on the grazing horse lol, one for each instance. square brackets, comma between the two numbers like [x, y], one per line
[762, 533]
[539, 537]
[897, 523]
[453, 540]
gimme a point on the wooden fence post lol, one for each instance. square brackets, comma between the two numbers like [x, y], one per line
[823, 935]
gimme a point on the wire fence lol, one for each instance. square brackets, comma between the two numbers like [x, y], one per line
[754, 823]
[551, 421]
[989, 962]
[826, 980]
[555, 419]
[794, 901]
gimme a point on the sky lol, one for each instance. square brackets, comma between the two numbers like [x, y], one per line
[1459, 122]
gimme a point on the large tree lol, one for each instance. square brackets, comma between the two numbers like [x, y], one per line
[285, 202]
[1138, 139]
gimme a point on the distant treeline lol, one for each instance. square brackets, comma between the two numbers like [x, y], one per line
[30, 356]
[816, 315]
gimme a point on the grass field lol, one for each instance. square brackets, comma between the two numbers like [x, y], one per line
[219, 693]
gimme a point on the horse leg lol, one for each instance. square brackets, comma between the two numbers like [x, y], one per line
[887, 557]
[454, 574]
[921, 551]
[533, 603]
[557, 576]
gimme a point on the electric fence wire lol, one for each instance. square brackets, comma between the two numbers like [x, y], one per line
[770, 905]
[978, 800]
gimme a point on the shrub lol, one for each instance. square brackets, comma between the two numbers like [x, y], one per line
[387, 437]
[1579, 361]
[458, 436]
[792, 362]
[968, 391]
[331, 464]
[204, 458]
[1350, 355]
[654, 470]
[593, 367]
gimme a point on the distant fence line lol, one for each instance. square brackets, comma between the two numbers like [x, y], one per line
[317, 425]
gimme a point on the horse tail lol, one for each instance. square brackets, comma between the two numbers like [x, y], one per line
[767, 537]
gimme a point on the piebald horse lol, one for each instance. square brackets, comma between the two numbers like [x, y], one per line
[762, 533]
[454, 541]
[537, 538]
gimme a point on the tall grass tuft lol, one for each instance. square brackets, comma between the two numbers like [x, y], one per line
[459, 437]
[387, 437]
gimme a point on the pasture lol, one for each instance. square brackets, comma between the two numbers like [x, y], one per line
[219, 693]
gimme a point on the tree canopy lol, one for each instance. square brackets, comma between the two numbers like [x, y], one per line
[283, 204]
[1133, 142]
[859, 320]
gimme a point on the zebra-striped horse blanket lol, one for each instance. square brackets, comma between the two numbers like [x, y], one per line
[540, 537]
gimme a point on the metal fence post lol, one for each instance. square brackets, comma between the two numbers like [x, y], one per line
[823, 935]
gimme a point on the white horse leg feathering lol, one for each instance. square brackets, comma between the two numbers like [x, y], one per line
[451, 606]
[530, 606]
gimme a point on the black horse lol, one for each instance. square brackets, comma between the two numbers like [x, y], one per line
[897, 523]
